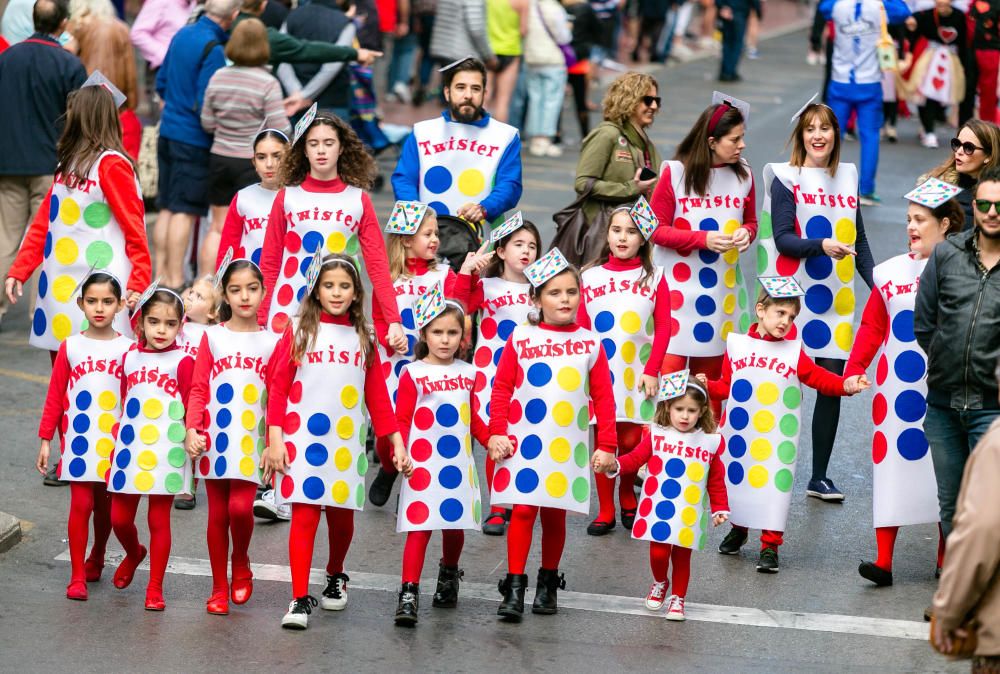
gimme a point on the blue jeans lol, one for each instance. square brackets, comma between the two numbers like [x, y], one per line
[519, 99]
[866, 101]
[546, 89]
[404, 50]
[952, 435]
[732, 41]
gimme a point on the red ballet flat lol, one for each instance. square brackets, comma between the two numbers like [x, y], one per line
[93, 569]
[218, 604]
[241, 590]
[126, 570]
[76, 590]
[154, 600]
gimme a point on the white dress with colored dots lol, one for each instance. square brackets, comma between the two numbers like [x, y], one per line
[83, 233]
[443, 491]
[710, 285]
[505, 306]
[149, 456]
[826, 321]
[673, 506]
[237, 430]
[94, 408]
[253, 203]
[189, 337]
[408, 291]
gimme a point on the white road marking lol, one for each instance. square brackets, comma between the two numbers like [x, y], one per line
[584, 601]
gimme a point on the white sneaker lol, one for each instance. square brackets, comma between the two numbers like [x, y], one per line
[929, 140]
[655, 598]
[403, 92]
[265, 507]
[335, 595]
[675, 610]
[299, 609]
[812, 58]
[681, 52]
[553, 150]
[285, 512]
[538, 147]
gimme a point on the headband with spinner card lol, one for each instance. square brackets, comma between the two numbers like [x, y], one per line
[726, 103]
[98, 79]
[545, 267]
[312, 272]
[932, 193]
[781, 287]
[226, 261]
[673, 385]
[643, 217]
[428, 306]
[812, 100]
[453, 64]
[148, 292]
[303, 124]
[509, 226]
[406, 217]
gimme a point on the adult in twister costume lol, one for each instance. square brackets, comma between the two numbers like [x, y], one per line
[91, 219]
[761, 376]
[705, 203]
[463, 163]
[904, 489]
[551, 374]
[811, 228]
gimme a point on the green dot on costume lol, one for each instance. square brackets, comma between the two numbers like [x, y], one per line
[580, 454]
[644, 352]
[363, 464]
[761, 260]
[84, 325]
[363, 433]
[359, 495]
[352, 246]
[789, 425]
[792, 397]
[262, 426]
[581, 489]
[99, 254]
[650, 325]
[260, 444]
[173, 483]
[786, 452]
[175, 410]
[783, 480]
[97, 214]
[646, 409]
[477, 510]
[583, 418]
[176, 457]
[764, 231]
[176, 433]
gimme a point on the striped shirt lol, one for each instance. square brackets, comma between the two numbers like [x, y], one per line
[238, 99]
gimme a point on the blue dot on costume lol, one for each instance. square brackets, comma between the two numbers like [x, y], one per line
[703, 332]
[819, 267]
[118, 481]
[304, 264]
[449, 446]
[123, 458]
[81, 423]
[912, 444]
[43, 284]
[439, 208]
[660, 531]
[132, 408]
[316, 454]
[38, 323]
[609, 347]
[671, 489]
[539, 374]
[707, 256]
[312, 488]
[300, 293]
[220, 466]
[437, 179]
[406, 316]
[902, 326]
[604, 321]
[526, 481]
[910, 406]
[447, 415]
[127, 435]
[450, 477]
[737, 446]
[909, 366]
[318, 424]
[77, 467]
[704, 305]
[400, 364]
[311, 241]
[741, 390]
[739, 419]
[53, 211]
[255, 257]
[709, 225]
[819, 298]
[708, 278]
[224, 394]
[223, 418]
[818, 227]
[496, 359]
[83, 400]
[535, 410]
[674, 467]
[411, 345]
[79, 445]
[531, 447]
[222, 442]
[451, 509]
[48, 243]
[665, 510]
[735, 472]
[816, 334]
[504, 328]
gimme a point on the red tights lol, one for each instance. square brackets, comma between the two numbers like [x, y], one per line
[768, 539]
[662, 556]
[415, 550]
[885, 542]
[123, 509]
[86, 498]
[629, 435]
[522, 521]
[230, 509]
[302, 538]
[491, 467]
[710, 366]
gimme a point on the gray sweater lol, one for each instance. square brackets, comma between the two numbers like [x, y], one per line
[460, 31]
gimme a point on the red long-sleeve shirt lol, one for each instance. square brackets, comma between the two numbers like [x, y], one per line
[456, 287]
[369, 234]
[661, 314]
[664, 205]
[601, 393]
[870, 336]
[282, 374]
[117, 181]
[406, 404]
[52, 412]
[810, 374]
[185, 371]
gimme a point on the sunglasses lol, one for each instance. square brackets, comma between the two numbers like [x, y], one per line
[649, 100]
[967, 148]
[984, 205]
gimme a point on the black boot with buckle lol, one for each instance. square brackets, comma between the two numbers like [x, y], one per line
[512, 588]
[550, 581]
[446, 595]
[409, 602]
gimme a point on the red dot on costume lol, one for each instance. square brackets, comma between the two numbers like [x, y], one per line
[292, 423]
[682, 272]
[417, 512]
[645, 507]
[290, 448]
[295, 392]
[676, 300]
[66, 403]
[513, 441]
[501, 480]
[287, 486]
[639, 528]
[793, 332]
[655, 465]
[519, 376]
[483, 356]
[882, 370]
[681, 223]
[59, 468]
[787, 266]
[114, 431]
[420, 479]
[879, 447]
[879, 409]
[514, 412]
[279, 322]
[675, 327]
[650, 486]
[420, 450]
[480, 383]
[386, 369]
[204, 465]
[292, 242]
[285, 295]
[488, 327]
[423, 418]
[291, 267]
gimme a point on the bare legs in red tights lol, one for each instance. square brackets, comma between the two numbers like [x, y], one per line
[230, 512]
[87, 498]
[123, 509]
[522, 521]
[302, 539]
[415, 550]
[629, 435]
[885, 540]
[663, 556]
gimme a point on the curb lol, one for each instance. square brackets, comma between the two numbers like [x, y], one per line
[10, 531]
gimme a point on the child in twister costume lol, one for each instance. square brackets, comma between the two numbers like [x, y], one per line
[904, 489]
[83, 401]
[551, 374]
[682, 453]
[501, 297]
[316, 434]
[706, 207]
[761, 375]
[434, 409]
[149, 457]
[626, 301]
[225, 426]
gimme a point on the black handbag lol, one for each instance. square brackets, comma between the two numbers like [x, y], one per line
[581, 241]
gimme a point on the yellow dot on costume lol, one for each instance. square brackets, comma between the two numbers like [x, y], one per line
[152, 409]
[559, 449]
[247, 466]
[69, 211]
[342, 459]
[845, 269]
[349, 396]
[729, 278]
[144, 481]
[247, 445]
[843, 302]
[629, 378]
[727, 327]
[471, 182]
[695, 472]
[336, 242]
[568, 379]
[631, 322]
[731, 256]
[757, 476]
[104, 447]
[66, 251]
[106, 422]
[556, 484]
[845, 231]
[62, 288]
[465, 413]
[250, 394]
[345, 427]
[730, 226]
[562, 413]
[248, 419]
[843, 335]
[147, 460]
[629, 408]
[340, 491]
[767, 393]
[472, 476]
[692, 494]
[107, 401]
[729, 303]
[763, 421]
[103, 466]
[628, 352]
[467, 441]
[149, 434]
[61, 326]
[689, 515]
[760, 449]
[686, 537]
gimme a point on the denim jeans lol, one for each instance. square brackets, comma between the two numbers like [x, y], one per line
[546, 89]
[733, 33]
[404, 51]
[952, 435]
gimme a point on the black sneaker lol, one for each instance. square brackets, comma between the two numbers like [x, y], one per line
[495, 523]
[185, 503]
[381, 487]
[53, 482]
[299, 610]
[733, 541]
[768, 562]
[875, 574]
[825, 490]
[628, 517]
[335, 595]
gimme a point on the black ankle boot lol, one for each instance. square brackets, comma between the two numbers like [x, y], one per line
[409, 602]
[549, 582]
[512, 588]
[446, 595]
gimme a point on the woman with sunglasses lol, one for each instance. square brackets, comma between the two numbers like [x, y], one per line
[976, 147]
[817, 235]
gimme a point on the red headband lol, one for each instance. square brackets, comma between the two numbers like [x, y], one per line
[723, 108]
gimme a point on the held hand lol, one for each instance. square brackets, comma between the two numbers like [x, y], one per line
[643, 186]
[836, 250]
[131, 300]
[742, 239]
[12, 286]
[471, 212]
[477, 261]
[401, 460]
[397, 338]
[718, 243]
[856, 384]
[726, 13]
[42, 463]
[604, 462]
[499, 447]
[601, 469]
[719, 519]
[366, 57]
[194, 443]
[702, 378]
[274, 460]
[647, 384]
[941, 640]
[402, 28]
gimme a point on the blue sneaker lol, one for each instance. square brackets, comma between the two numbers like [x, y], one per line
[825, 490]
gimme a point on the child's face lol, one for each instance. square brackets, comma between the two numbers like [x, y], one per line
[323, 151]
[99, 305]
[559, 300]
[520, 251]
[443, 336]
[267, 159]
[424, 244]
[777, 319]
[199, 302]
[160, 326]
[335, 290]
[624, 237]
[244, 294]
[684, 413]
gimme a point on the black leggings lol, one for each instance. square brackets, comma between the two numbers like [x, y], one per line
[826, 416]
[930, 111]
[890, 111]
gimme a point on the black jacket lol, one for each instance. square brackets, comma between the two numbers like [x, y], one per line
[321, 20]
[957, 324]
